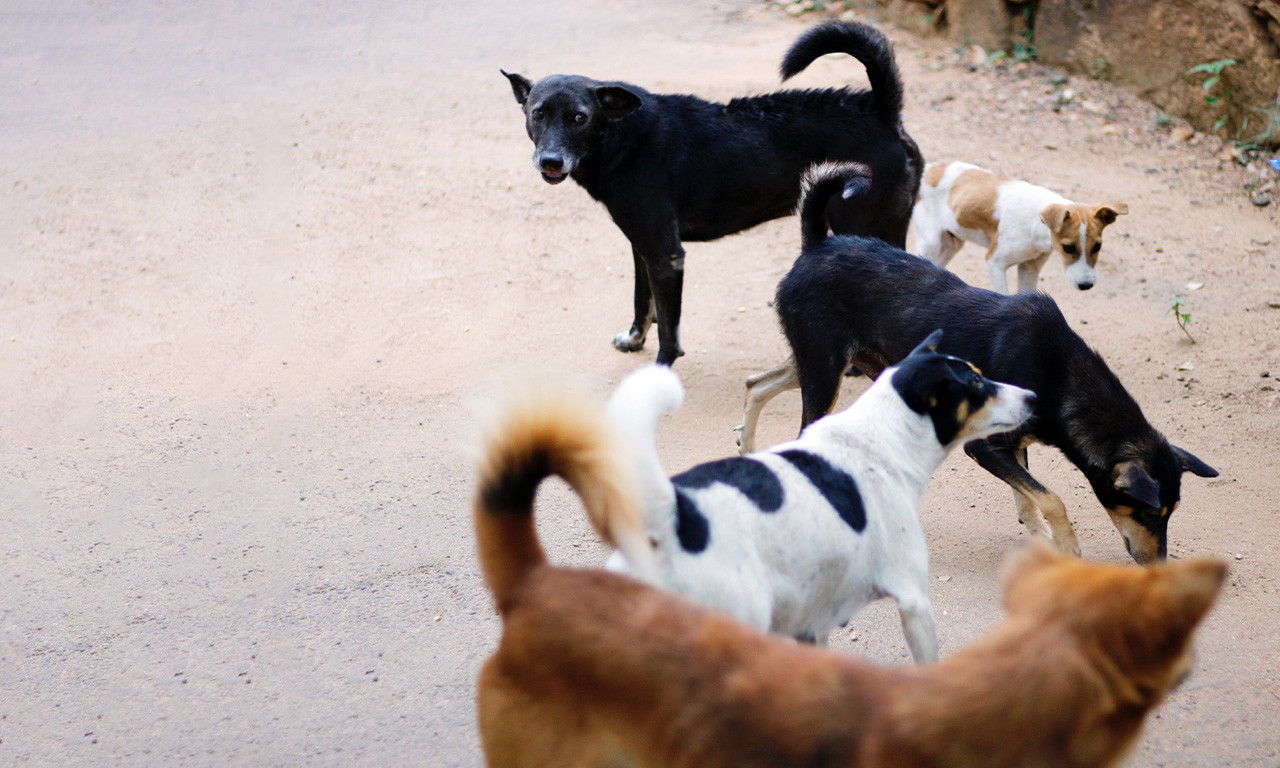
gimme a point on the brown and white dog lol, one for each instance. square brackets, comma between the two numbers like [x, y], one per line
[597, 669]
[1017, 222]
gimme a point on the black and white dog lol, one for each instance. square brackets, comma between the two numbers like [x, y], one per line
[798, 539]
[853, 299]
[675, 168]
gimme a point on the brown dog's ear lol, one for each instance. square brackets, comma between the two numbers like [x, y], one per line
[1054, 216]
[1194, 585]
[520, 85]
[1106, 213]
[617, 102]
[1193, 465]
[1134, 480]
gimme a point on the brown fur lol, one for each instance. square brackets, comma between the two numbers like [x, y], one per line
[595, 669]
[1064, 222]
[973, 199]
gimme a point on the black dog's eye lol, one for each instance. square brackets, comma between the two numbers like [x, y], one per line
[1070, 250]
[579, 118]
[537, 114]
[1096, 247]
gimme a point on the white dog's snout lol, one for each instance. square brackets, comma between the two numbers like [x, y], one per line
[1014, 405]
[1081, 275]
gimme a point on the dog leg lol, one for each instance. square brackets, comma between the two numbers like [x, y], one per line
[633, 340]
[1002, 462]
[1028, 515]
[908, 584]
[666, 278]
[943, 249]
[762, 388]
[1029, 274]
[920, 629]
[996, 269]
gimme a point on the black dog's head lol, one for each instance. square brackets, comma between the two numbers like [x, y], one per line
[962, 404]
[1140, 493]
[565, 116]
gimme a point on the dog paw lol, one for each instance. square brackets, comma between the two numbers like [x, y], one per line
[1068, 543]
[628, 341]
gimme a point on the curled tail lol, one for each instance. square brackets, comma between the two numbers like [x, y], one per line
[864, 43]
[633, 409]
[821, 182]
[544, 433]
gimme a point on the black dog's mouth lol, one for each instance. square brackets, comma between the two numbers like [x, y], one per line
[553, 177]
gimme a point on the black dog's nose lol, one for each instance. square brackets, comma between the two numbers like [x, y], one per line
[1031, 399]
[553, 163]
[1085, 286]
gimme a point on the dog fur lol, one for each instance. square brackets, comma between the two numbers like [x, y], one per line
[597, 669]
[1020, 224]
[858, 299]
[796, 540]
[675, 168]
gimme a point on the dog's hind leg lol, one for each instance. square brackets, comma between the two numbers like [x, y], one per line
[762, 388]
[1003, 463]
[633, 340]
[1028, 515]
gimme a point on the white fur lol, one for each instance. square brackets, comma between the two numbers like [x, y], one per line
[1024, 240]
[802, 571]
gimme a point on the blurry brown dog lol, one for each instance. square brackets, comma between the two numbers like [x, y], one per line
[596, 669]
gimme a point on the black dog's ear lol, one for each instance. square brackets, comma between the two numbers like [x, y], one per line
[520, 85]
[1193, 465]
[930, 344]
[616, 102]
[1134, 480]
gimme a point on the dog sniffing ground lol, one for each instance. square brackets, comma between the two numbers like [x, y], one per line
[260, 266]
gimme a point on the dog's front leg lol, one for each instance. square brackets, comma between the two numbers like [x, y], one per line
[1029, 274]
[920, 629]
[1002, 462]
[633, 340]
[996, 269]
[666, 278]
[907, 582]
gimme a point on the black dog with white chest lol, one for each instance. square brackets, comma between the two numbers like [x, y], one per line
[675, 168]
[853, 299]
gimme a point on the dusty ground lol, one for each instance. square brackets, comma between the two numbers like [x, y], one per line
[261, 264]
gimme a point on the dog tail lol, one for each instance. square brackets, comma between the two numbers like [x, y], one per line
[540, 433]
[864, 43]
[821, 182]
[633, 409]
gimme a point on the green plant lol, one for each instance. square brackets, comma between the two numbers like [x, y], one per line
[1179, 309]
[1212, 70]
[1024, 47]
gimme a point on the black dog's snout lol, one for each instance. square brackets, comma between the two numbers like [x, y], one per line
[553, 163]
[1031, 399]
[1085, 286]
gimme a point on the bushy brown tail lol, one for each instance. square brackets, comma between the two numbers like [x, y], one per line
[536, 435]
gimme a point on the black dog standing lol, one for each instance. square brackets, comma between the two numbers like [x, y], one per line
[672, 168]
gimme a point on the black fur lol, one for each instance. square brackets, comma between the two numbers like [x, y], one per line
[853, 299]
[693, 530]
[676, 168]
[836, 486]
[751, 478]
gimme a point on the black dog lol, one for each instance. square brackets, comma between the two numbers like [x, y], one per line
[853, 299]
[672, 168]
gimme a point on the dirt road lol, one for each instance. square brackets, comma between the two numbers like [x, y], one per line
[260, 264]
